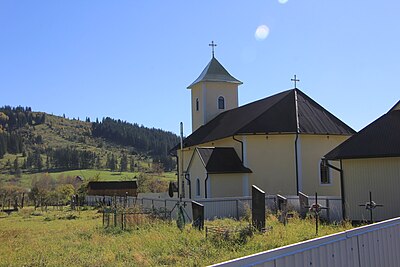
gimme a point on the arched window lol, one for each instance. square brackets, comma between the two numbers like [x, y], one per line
[221, 102]
[324, 173]
[197, 187]
[197, 104]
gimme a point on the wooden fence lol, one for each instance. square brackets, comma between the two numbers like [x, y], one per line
[369, 246]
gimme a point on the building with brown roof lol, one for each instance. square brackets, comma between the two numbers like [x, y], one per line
[275, 143]
[112, 188]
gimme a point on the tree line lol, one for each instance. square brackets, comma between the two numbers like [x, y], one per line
[12, 118]
[154, 142]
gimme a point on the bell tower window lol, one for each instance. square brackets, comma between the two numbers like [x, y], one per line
[197, 104]
[221, 102]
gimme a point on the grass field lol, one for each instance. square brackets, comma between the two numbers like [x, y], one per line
[71, 238]
[104, 175]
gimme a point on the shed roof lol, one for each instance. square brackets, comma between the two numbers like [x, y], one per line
[114, 185]
[379, 139]
[221, 160]
[214, 72]
[274, 114]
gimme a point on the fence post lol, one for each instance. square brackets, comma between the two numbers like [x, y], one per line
[165, 209]
[328, 215]
[237, 209]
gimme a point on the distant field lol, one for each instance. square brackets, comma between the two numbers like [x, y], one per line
[104, 175]
[66, 238]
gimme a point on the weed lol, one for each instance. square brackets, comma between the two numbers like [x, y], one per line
[47, 240]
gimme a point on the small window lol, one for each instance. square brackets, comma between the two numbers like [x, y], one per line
[221, 102]
[197, 187]
[197, 104]
[324, 172]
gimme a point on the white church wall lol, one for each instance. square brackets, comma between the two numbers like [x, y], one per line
[226, 185]
[313, 148]
[381, 176]
[213, 91]
[271, 158]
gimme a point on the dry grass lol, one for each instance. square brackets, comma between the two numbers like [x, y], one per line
[65, 238]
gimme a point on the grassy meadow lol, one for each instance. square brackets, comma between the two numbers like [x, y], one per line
[72, 238]
[103, 175]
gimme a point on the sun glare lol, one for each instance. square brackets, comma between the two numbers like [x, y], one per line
[261, 32]
[283, 1]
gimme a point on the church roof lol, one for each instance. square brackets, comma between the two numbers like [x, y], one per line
[215, 72]
[221, 160]
[377, 140]
[274, 114]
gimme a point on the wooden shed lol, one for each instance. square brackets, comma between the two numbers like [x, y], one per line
[113, 188]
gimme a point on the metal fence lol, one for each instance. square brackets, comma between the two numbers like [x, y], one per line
[232, 207]
[373, 245]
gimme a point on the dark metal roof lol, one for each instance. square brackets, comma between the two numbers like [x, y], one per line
[221, 160]
[379, 139]
[116, 185]
[274, 114]
[396, 106]
[215, 72]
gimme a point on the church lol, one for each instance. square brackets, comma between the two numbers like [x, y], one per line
[275, 143]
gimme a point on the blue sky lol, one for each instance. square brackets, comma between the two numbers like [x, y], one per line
[132, 60]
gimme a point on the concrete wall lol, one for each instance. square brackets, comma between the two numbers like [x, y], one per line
[381, 176]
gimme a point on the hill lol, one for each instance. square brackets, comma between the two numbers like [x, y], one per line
[32, 141]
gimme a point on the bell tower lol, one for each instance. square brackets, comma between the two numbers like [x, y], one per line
[212, 93]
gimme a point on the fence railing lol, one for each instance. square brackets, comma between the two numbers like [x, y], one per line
[373, 245]
[230, 207]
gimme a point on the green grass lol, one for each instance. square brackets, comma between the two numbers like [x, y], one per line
[55, 238]
[104, 175]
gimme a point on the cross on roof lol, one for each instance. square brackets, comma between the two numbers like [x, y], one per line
[213, 45]
[295, 80]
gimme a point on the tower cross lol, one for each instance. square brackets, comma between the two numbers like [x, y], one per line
[295, 80]
[213, 45]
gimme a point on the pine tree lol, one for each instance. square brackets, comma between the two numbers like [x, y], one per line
[132, 165]
[123, 163]
[16, 166]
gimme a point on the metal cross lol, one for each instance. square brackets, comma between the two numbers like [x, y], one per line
[316, 208]
[295, 80]
[371, 205]
[213, 45]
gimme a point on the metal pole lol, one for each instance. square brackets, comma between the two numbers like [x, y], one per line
[370, 210]
[316, 214]
[181, 174]
[237, 209]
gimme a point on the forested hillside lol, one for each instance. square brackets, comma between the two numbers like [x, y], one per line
[36, 141]
[155, 142]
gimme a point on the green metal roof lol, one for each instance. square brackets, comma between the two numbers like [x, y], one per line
[215, 72]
